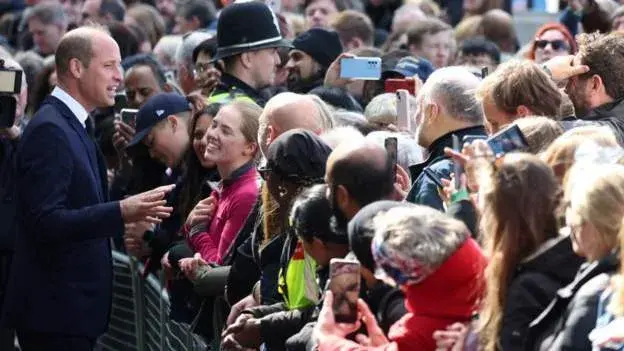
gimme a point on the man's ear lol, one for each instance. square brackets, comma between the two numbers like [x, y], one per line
[173, 122]
[246, 58]
[597, 85]
[76, 69]
[342, 197]
[270, 134]
[523, 111]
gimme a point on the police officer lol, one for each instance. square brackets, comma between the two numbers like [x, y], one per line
[248, 37]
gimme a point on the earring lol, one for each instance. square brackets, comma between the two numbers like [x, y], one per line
[282, 190]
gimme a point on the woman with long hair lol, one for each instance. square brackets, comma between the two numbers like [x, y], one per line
[529, 260]
[594, 212]
[231, 145]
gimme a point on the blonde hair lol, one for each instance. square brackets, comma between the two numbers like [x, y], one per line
[517, 83]
[469, 27]
[519, 216]
[560, 154]
[597, 197]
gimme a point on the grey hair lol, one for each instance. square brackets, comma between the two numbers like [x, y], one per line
[405, 16]
[325, 119]
[408, 150]
[382, 109]
[420, 233]
[48, 13]
[339, 135]
[453, 89]
[184, 52]
[31, 64]
[344, 118]
[168, 46]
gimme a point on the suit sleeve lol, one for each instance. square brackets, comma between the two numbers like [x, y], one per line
[46, 170]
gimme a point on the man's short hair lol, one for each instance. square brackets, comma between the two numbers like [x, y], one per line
[204, 11]
[48, 13]
[429, 26]
[365, 178]
[604, 54]
[184, 54]
[352, 24]
[75, 45]
[517, 83]
[480, 46]
[115, 8]
[208, 46]
[149, 61]
[453, 88]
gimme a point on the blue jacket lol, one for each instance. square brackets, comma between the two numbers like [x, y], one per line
[61, 277]
[424, 191]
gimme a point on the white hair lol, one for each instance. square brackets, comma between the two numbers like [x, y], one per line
[339, 135]
[167, 47]
[408, 151]
[453, 89]
[382, 109]
[184, 53]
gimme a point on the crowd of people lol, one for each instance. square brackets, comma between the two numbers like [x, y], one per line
[218, 143]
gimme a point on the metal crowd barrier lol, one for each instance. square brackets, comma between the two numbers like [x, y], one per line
[140, 314]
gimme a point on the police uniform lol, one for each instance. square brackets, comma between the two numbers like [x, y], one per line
[244, 27]
[231, 88]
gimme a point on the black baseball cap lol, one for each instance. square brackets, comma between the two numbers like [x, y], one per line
[361, 231]
[156, 109]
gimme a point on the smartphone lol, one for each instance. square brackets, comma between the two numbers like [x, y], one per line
[128, 116]
[121, 102]
[344, 283]
[457, 168]
[392, 150]
[7, 112]
[403, 112]
[507, 140]
[365, 68]
[392, 85]
[170, 75]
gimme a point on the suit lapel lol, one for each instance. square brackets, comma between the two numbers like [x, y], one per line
[89, 145]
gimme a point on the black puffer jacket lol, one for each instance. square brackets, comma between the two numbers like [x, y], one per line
[534, 285]
[569, 318]
[610, 114]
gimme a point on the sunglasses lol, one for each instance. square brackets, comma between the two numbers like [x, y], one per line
[554, 44]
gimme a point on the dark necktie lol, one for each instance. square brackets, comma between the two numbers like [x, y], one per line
[101, 163]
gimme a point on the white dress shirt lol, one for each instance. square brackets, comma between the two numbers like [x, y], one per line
[74, 106]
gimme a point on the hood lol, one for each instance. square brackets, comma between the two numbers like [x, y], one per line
[554, 258]
[454, 290]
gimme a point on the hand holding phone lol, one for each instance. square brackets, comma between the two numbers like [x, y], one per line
[128, 116]
[344, 283]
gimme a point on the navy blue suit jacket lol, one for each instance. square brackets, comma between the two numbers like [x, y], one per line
[61, 278]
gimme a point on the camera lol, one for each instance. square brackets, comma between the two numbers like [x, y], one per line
[10, 84]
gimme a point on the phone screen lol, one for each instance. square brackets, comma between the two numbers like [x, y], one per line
[121, 102]
[128, 116]
[344, 283]
[507, 140]
[7, 112]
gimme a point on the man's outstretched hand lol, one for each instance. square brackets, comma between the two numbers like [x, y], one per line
[148, 206]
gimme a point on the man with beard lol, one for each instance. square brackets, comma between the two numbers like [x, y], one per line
[598, 95]
[248, 36]
[446, 106]
[313, 51]
[357, 174]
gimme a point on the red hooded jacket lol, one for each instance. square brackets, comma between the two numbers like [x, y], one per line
[451, 294]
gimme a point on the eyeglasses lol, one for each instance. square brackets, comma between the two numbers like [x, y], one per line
[554, 44]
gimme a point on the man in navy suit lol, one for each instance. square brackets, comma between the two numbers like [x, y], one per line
[60, 289]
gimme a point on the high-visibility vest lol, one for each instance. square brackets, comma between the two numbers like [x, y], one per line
[233, 94]
[299, 286]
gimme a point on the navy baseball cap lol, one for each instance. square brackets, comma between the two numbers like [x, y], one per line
[156, 109]
[409, 67]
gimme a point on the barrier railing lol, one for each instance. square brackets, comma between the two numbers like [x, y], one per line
[140, 313]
